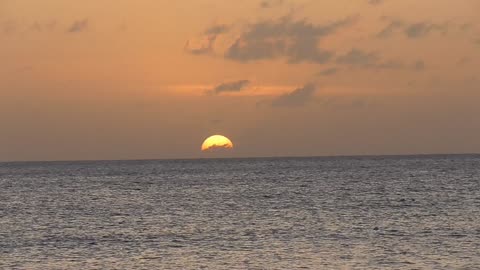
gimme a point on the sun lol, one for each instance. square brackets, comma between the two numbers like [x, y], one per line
[217, 142]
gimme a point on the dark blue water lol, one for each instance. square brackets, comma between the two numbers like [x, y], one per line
[417, 212]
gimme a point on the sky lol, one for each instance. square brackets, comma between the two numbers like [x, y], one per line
[151, 79]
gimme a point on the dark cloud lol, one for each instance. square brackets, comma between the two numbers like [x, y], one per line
[218, 148]
[78, 26]
[217, 29]
[295, 40]
[296, 98]
[350, 102]
[209, 37]
[389, 64]
[422, 29]
[419, 65]
[271, 3]
[411, 30]
[372, 60]
[357, 57]
[236, 86]
[390, 29]
[328, 72]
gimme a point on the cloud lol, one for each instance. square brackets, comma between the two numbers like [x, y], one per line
[271, 3]
[217, 29]
[78, 26]
[296, 98]
[218, 148]
[422, 29]
[43, 27]
[411, 30]
[13, 27]
[346, 102]
[328, 72]
[216, 121]
[372, 60]
[356, 57]
[235, 86]
[295, 40]
[375, 2]
[206, 43]
[8, 27]
[390, 29]
[419, 65]
[203, 47]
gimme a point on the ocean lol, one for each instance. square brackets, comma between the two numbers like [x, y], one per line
[385, 212]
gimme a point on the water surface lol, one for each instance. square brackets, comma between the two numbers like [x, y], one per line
[411, 212]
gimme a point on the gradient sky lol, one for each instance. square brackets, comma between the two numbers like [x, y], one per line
[147, 79]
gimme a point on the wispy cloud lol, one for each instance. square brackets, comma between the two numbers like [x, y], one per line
[271, 3]
[422, 29]
[372, 60]
[78, 26]
[375, 2]
[235, 86]
[391, 28]
[202, 47]
[419, 65]
[296, 98]
[217, 29]
[205, 44]
[357, 57]
[14, 27]
[411, 30]
[8, 27]
[328, 72]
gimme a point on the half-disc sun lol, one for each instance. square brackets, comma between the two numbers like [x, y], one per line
[217, 142]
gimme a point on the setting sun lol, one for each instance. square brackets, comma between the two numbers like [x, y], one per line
[216, 142]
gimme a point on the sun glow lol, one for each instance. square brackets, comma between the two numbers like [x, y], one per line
[216, 142]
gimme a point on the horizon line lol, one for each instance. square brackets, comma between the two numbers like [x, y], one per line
[252, 157]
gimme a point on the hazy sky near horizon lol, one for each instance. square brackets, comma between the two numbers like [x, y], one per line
[122, 79]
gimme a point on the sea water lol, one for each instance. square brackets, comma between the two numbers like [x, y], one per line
[405, 212]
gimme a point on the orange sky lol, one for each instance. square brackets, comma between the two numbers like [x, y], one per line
[117, 79]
